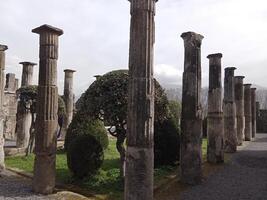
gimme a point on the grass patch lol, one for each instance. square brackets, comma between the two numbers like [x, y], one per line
[106, 182]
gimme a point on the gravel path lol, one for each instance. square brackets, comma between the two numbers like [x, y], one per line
[245, 178]
[13, 187]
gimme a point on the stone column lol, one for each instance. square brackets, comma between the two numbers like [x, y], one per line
[239, 101]
[191, 118]
[27, 73]
[16, 84]
[10, 82]
[215, 131]
[3, 48]
[23, 115]
[47, 108]
[253, 112]
[69, 100]
[257, 115]
[247, 111]
[229, 111]
[140, 118]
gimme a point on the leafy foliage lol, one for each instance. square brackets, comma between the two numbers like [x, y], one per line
[175, 111]
[82, 125]
[166, 143]
[85, 156]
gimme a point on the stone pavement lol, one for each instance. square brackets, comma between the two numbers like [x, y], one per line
[243, 178]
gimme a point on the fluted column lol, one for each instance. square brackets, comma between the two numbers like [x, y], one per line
[191, 119]
[253, 112]
[69, 99]
[247, 111]
[229, 111]
[3, 48]
[47, 108]
[140, 117]
[24, 116]
[215, 131]
[239, 101]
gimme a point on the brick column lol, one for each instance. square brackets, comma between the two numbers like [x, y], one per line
[191, 118]
[23, 115]
[229, 111]
[247, 111]
[215, 131]
[239, 101]
[69, 99]
[253, 112]
[47, 108]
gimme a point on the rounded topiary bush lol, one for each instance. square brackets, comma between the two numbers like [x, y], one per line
[166, 143]
[82, 125]
[85, 156]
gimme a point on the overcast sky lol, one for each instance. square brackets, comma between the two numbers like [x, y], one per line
[96, 36]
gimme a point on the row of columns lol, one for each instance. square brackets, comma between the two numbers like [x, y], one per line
[231, 119]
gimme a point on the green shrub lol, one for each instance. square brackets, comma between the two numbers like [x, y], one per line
[85, 156]
[166, 143]
[82, 125]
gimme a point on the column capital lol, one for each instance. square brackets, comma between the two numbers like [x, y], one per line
[215, 55]
[47, 28]
[192, 36]
[247, 85]
[253, 89]
[239, 77]
[230, 68]
[27, 63]
[3, 47]
[69, 70]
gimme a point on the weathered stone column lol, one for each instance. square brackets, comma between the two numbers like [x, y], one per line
[27, 73]
[229, 111]
[47, 108]
[16, 84]
[140, 118]
[257, 115]
[239, 101]
[191, 118]
[253, 112]
[3, 48]
[215, 131]
[247, 111]
[69, 99]
[23, 115]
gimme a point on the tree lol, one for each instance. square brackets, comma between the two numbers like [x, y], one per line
[106, 99]
[28, 98]
[175, 111]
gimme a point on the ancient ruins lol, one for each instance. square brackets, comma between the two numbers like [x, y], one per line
[140, 125]
[247, 111]
[24, 115]
[191, 121]
[229, 111]
[3, 48]
[46, 118]
[215, 129]
[239, 101]
[233, 115]
[69, 100]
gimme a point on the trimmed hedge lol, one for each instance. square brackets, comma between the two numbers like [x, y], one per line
[84, 156]
[166, 143]
[82, 125]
